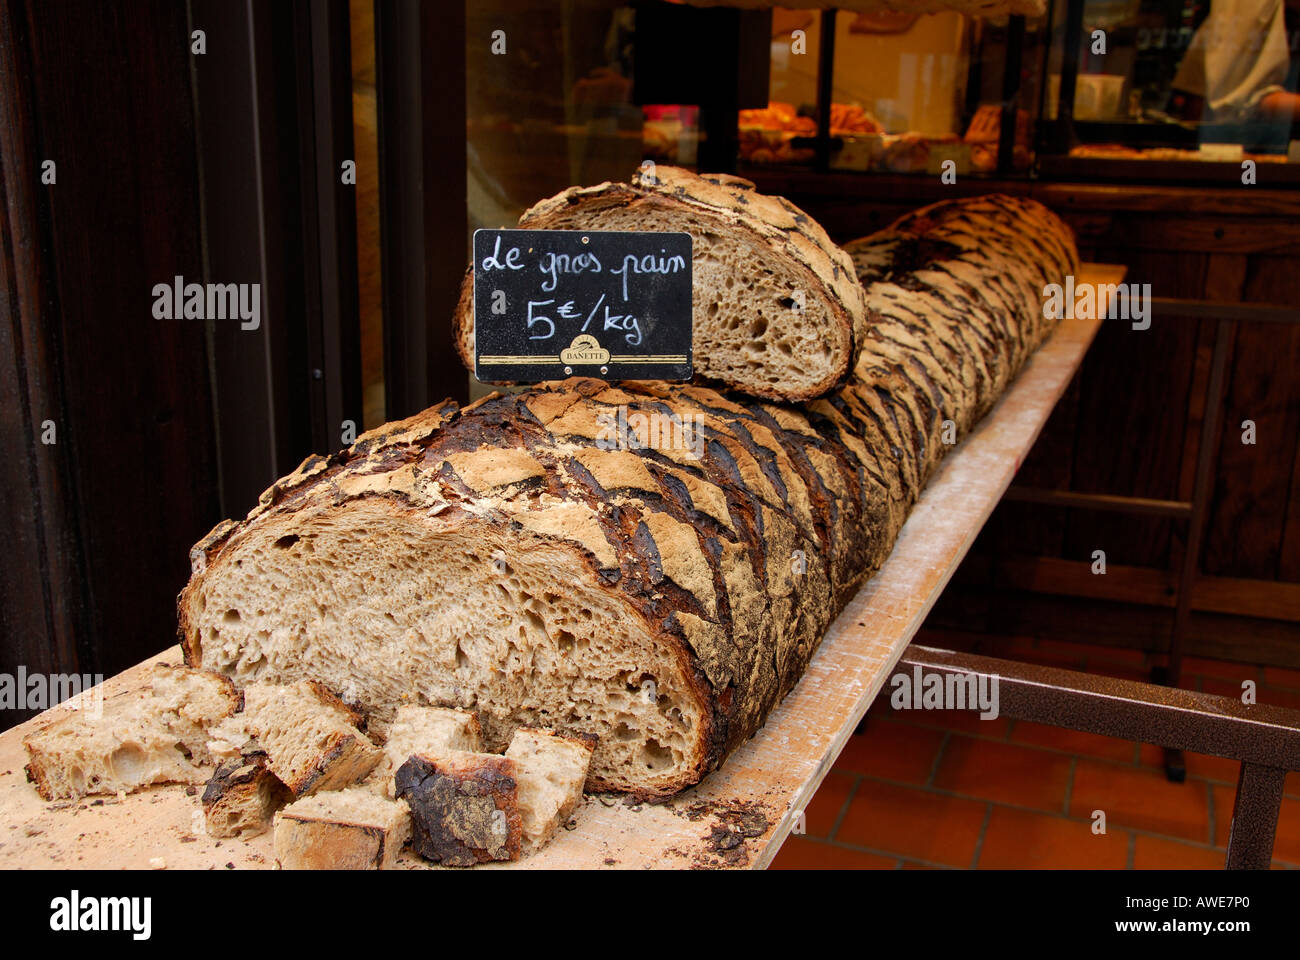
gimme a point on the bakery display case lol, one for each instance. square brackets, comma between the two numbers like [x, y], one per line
[642, 434]
[1173, 84]
[1109, 83]
[907, 91]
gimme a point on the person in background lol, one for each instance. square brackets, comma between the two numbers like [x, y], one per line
[1238, 67]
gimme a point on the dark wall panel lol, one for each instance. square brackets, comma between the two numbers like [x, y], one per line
[106, 95]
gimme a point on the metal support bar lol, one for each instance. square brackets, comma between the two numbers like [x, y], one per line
[1143, 506]
[1254, 817]
[1266, 740]
[1126, 709]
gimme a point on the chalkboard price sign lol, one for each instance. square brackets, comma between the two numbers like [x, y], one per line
[550, 304]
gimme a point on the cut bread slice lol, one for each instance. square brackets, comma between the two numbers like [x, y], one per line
[551, 770]
[154, 734]
[350, 829]
[464, 807]
[778, 312]
[418, 729]
[309, 735]
[242, 797]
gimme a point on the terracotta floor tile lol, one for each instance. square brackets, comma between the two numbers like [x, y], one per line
[1073, 741]
[1222, 669]
[1286, 844]
[1223, 798]
[1200, 765]
[1141, 797]
[893, 751]
[913, 823]
[999, 767]
[825, 806]
[961, 721]
[1020, 840]
[1004, 772]
[1282, 677]
[1212, 768]
[801, 853]
[1157, 853]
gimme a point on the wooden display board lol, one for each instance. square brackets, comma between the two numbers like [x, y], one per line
[740, 814]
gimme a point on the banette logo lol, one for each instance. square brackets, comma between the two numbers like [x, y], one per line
[75, 913]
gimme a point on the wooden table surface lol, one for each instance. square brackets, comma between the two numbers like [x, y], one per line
[740, 814]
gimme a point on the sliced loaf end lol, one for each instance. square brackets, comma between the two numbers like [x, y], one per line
[778, 311]
[441, 605]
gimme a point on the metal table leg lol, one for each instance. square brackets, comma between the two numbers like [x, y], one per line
[1254, 817]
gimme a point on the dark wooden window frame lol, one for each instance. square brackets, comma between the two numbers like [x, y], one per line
[424, 223]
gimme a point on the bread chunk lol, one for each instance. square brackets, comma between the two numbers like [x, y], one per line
[155, 734]
[419, 729]
[242, 797]
[310, 736]
[350, 829]
[550, 769]
[464, 807]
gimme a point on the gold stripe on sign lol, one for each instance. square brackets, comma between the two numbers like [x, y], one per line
[519, 359]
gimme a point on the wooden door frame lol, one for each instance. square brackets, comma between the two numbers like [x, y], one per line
[424, 220]
[274, 108]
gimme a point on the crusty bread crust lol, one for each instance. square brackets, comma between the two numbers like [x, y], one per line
[464, 807]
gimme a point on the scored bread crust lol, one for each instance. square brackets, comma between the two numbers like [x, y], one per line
[716, 206]
[722, 572]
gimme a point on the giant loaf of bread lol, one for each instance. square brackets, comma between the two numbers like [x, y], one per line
[550, 559]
